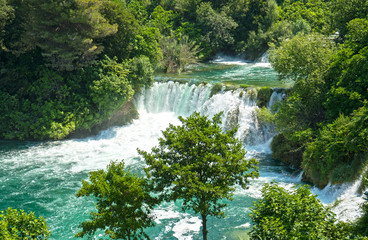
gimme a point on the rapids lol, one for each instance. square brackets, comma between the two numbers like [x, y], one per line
[44, 176]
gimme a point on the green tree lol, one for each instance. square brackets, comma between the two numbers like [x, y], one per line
[339, 152]
[66, 31]
[200, 164]
[345, 11]
[348, 73]
[304, 59]
[6, 15]
[316, 13]
[123, 203]
[18, 225]
[216, 27]
[140, 72]
[122, 43]
[302, 56]
[161, 19]
[109, 88]
[294, 215]
[251, 16]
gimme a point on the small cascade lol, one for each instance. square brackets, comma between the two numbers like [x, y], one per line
[276, 96]
[238, 106]
[263, 58]
[263, 61]
[345, 198]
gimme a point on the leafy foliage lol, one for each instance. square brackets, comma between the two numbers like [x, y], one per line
[316, 13]
[6, 15]
[348, 72]
[339, 152]
[55, 105]
[122, 44]
[123, 203]
[216, 27]
[345, 11]
[200, 164]
[296, 214]
[18, 225]
[65, 31]
[302, 56]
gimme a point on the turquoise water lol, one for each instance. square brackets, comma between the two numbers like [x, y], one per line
[43, 177]
[231, 72]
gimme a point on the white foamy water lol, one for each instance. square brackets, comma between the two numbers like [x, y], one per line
[230, 60]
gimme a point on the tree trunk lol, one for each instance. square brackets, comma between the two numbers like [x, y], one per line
[204, 226]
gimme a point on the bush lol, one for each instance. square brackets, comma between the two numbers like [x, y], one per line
[296, 214]
[339, 146]
[18, 225]
[56, 104]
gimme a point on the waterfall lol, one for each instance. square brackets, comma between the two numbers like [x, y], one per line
[347, 197]
[238, 106]
[263, 58]
[276, 96]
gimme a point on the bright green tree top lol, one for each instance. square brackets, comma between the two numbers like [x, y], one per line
[123, 203]
[294, 215]
[16, 225]
[200, 164]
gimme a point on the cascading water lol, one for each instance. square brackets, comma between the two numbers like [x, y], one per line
[43, 177]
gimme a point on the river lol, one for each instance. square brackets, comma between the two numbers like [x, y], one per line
[43, 177]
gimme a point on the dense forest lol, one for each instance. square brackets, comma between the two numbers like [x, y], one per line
[67, 67]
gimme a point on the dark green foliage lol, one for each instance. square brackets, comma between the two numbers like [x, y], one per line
[303, 109]
[140, 72]
[123, 203]
[296, 214]
[263, 96]
[18, 225]
[339, 152]
[66, 31]
[348, 73]
[53, 105]
[258, 42]
[216, 27]
[344, 11]
[252, 16]
[200, 164]
[287, 151]
[122, 43]
[6, 15]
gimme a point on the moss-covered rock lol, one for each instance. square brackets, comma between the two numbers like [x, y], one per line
[286, 151]
[216, 88]
[264, 95]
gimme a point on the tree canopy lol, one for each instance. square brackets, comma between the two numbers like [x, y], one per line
[123, 203]
[18, 225]
[296, 214]
[200, 164]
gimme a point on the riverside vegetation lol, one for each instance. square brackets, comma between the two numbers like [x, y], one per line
[68, 67]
